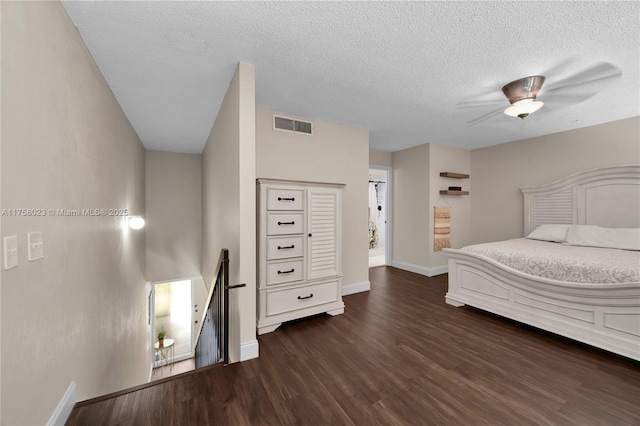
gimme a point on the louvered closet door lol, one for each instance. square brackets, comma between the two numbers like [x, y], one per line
[324, 229]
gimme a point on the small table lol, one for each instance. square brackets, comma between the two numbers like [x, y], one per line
[166, 352]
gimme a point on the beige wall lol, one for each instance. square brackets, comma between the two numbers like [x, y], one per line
[1, 234]
[228, 204]
[174, 224]
[447, 159]
[246, 268]
[336, 154]
[79, 314]
[494, 209]
[416, 191]
[499, 171]
[380, 158]
[410, 206]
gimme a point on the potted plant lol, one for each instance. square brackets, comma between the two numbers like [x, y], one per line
[161, 335]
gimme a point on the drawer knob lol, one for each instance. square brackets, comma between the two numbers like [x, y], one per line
[305, 297]
[286, 199]
[286, 272]
[287, 223]
[285, 247]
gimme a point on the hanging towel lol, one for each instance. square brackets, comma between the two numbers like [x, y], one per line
[441, 228]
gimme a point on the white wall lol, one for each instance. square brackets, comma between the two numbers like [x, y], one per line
[79, 314]
[199, 299]
[228, 205]
[499, 171]
[174, 215]
[336, 154]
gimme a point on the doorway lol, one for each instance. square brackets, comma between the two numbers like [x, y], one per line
[379, 216]
[173, 314]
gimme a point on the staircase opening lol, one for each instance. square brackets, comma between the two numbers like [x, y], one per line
[173, 317]
[193, 326]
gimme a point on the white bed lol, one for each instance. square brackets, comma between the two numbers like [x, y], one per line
[603, 315]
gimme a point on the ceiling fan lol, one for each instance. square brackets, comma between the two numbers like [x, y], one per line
[522, 96]
[562, 90]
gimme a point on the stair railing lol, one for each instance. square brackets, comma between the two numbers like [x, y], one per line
[212, 344]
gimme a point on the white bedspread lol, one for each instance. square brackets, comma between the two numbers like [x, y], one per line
[564, 263]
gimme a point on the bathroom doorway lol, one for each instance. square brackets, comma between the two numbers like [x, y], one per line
[379, 216]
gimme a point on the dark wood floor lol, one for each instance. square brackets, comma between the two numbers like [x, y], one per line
[398, 356]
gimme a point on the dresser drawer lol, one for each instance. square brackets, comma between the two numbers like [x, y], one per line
[285, 199]
[286, 300]
[284, 272]
[284, 223]
[283, 247]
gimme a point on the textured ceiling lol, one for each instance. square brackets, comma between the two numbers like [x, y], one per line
[410, 72]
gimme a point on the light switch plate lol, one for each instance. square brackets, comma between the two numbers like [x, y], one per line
[35, 245]
[10, 252]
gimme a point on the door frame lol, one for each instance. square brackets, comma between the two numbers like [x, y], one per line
[388, 228]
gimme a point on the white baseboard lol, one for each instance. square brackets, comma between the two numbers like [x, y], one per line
[160, 363]
[439, 270]
[422, 270]
[249, 350]
[183, 357]
[352, 288]
[63, 410]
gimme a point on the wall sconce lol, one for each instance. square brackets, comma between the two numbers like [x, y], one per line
[136, 222]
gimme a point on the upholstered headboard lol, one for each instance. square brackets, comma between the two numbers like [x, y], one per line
[609, 197]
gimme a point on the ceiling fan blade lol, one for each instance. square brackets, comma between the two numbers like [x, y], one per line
[562, 68]
[542, 111]
[587, 88]
[480, 104]
[563, 88]
[485, 117]
[590, 79]
[487, 97]
[559, 99]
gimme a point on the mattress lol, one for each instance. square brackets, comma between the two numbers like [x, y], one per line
[561, 262]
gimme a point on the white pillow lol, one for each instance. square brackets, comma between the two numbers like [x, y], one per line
[595, 236]
[554, 233]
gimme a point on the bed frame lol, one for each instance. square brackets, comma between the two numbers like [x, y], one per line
[605, 316]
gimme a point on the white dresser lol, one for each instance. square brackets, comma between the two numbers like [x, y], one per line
[299, 251]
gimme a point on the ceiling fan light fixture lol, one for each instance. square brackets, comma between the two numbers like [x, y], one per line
[523, 88]
[523, 107]
[522, 96]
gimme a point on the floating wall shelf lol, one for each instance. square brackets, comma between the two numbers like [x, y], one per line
[445, 192]
[454, 175]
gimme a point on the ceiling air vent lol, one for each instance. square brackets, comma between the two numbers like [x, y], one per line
[292, 125]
